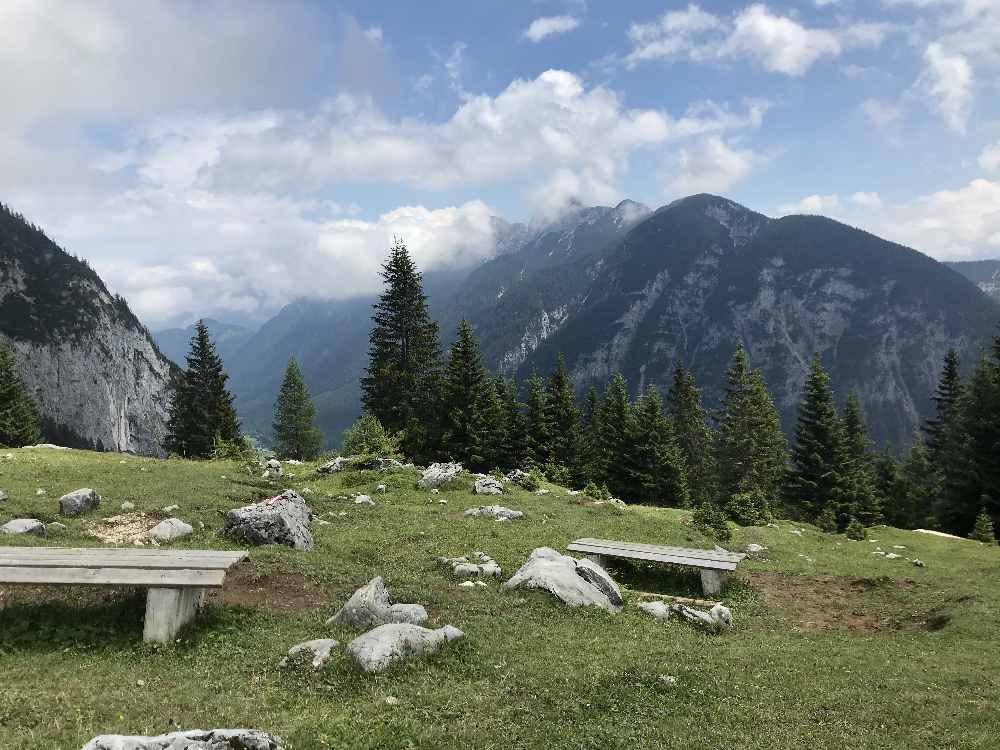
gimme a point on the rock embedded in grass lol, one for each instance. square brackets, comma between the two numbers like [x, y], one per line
[333, 466]
[170, 529]
[558, 574]
[437, 474]
[24, 526]
[78, 502]
[283, 519]
[717, 618]
[494, 511]
[364, 500]
[487, 485]
[598, 577]
[485, 567]
[3, 496]
[320, 648]
[371, 605]
[194, 739]
[386, 645]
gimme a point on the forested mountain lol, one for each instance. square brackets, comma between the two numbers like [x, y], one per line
[983, 273]
[93, 369]
[229, 338]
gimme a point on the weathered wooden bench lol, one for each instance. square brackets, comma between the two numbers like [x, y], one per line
[175, 579]
[713, 564]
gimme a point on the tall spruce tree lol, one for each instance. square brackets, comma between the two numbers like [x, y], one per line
[562, 417]
[749, 447]
[982, 425]
[494, 424]
[202, 408]
[512, 447]
[946, 398]
[19, 423]
[539, 439]
[861, 496]
[616, 425]
[294, 426]
[694, 436]
[590, 466]
[402, 381]
[911, 499]
[465, 391]
[652, 456]
[816, 480]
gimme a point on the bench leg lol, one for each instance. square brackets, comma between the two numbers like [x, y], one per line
[711, 581]
[167, 611]
[598, 560]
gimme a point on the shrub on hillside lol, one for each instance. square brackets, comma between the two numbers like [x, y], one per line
[983, 530]
[750, 508]
[827, 520]
[597, 492]
[367, 437]
[531, 481]
[710, 520]
[856, 531]
[558, 474]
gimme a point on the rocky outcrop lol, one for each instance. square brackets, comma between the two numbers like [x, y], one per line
[195, 739]
[438, 474]
[371, 605]
[93, 369]
[487, 485]
[386, 645]
[283, 519]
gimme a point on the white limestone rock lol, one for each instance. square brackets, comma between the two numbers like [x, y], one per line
[170, 529]
[364, 500]
[194, 739]
[334, 466]
[557, 573]
[437, 474]
[494, 511]
[386, 645]
[78, 502]
[24, 526]
[488, 485]
[371, 605]
[320, 648]
[283, 519]
[598, 577]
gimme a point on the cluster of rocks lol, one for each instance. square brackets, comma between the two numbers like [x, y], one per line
[340, 463]
[438, 474]
[283, 519]
[578, 583]
[484, 567]
[194, 739]
[394, 631]
[497, 512]
[717, 618]
[74, 503]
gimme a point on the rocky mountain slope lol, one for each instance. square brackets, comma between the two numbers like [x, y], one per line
[704, 273]
[983, 273]
[96, 374]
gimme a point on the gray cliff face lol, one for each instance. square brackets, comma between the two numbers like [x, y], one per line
[93, 369]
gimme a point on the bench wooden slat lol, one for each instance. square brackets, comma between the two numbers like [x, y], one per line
[113, 577]
[675, 558]
[705, 554]
[57, 557]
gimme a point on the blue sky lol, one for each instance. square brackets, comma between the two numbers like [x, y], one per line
[223, 158]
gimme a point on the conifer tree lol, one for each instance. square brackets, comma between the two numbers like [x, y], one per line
[562, 417]
[693, 434]
[202, 408]
[539, 439]
[615, 424]
[463, 401]
[652, 459]
[19, 423]
[910, 501]
[494, 424]
[295, 432]
[861, 497]
[590, 467]
[983, 531]
[513, 444]
[977, 441]
[946, 398]
[749, 447]
[402, 380]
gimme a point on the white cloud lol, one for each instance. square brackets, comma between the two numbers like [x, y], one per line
[948, 78]
[812, 204]
[867, 200]
[541, 28]
[709, 166]
[989, 159]
[881, 113]
[776, 43]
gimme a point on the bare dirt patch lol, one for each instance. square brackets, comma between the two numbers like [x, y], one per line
[829, 602]
[274, 590]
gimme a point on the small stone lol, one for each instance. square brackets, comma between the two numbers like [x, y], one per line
[667, 679]
[194, 739]
[320, 648]
[494, 511]
[918, 563]
[364, 500]
[488, 485]
[39, 492]
[752, 548]
[371, 605]
[127, 506]
[392, 700]
[3, 496]
[333, 467]
[435, 491]
[170, 529]
[381, 488]
[78, 502]
[437, 474]
[171, 508]
[467, 584]
[797, 532]
[481, 583]
[24, 526]
[140, 683]
[892, 556]
[283, 519]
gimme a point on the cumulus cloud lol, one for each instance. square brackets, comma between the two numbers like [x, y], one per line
[948, 79]
[959, 224]
[709, 166]
[774, 42]
[541, 28]
[989, 159]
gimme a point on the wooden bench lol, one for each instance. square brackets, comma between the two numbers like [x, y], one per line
[713, 564]
[175, 579]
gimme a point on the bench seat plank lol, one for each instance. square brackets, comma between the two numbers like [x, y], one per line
[66, 576]
[56, 557]
[709, 559]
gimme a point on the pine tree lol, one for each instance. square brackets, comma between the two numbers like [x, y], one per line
[652, 459]
[202, 408]
[19, 424]
[494, 425]
[981, 448]
[295, 432]
[401, 383]
[562, 417]
[983, 531]
[512, 450]
[912, 496]
[615, 424]
[539, 439]
[816, 479]
[749, 446]
[693, 434]
[464, 395]
[861, 497]
[946, 400]
[589, 466]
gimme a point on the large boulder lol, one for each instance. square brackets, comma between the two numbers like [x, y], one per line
[273, 467]
[170, 529]
[498, 512]
[78, 502]
[437, 474]
[382, 647]
[194, 739]
[24, 526]
[597, 576]
[487, 485]
[559, 575]
[321, 650]
[371, 605]
[334, 466]
[283, 519]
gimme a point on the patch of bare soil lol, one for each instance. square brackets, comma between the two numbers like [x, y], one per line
[275, 590]
[832, 602]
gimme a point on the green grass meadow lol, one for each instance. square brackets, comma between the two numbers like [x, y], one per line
[832, 645]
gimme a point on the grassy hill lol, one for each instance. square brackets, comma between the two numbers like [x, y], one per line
[832, 646]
